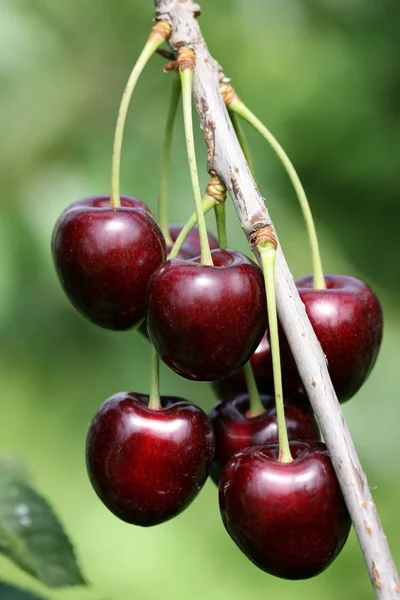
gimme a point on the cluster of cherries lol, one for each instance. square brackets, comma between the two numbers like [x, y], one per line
[204, 310]
[148, 457]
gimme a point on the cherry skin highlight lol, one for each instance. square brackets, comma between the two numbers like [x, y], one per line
[261, 363]
[104, 258]
[206, 321]
[289, 519]
[347, 320]
[191, 246]
[236, 430]
[148, 465]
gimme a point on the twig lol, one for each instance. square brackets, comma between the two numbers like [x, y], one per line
[226, 159]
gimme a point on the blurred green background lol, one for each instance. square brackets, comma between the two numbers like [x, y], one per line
[325, 77]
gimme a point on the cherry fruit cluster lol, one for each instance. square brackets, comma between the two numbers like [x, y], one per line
[146, 464]
[205, 313]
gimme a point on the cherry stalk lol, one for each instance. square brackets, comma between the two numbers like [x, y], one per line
[159, 34]
[266, 247]
[186, 61]
[236, 106]
[166, 155]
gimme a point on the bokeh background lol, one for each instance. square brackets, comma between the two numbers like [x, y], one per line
[325, 76]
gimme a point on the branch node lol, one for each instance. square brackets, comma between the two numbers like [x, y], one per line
[216, 189]
[186, 58]
[162, 28]
[263, 235]
[227, 92]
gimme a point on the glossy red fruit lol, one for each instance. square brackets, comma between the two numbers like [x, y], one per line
[148, 465]
[206, 321]
[261, 363]
[289, 519]
[104, 258]
[236, 430]
[191, 246]
[347, 319]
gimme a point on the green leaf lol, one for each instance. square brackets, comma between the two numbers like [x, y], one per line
[33, 538]
[9, 592]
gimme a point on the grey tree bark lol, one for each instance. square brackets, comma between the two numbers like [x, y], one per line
[226, 159]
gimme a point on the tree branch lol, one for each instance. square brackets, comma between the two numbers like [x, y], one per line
[226, 159]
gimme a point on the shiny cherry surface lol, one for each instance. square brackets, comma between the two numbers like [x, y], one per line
[206, 321]
[236, 430]
[289, 519]
[104, 259]
[347, 320]
[148, 465]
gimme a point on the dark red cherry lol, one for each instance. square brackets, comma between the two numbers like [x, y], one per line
[289, 519]
[191, 246]
[347, 320]
[148, 465]
[104, 258]
[206, 321]
[236, 430]
[261, 363]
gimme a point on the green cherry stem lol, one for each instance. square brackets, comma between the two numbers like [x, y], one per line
[207, 204]
[220, 217]
[155, 400]
[158, 35]
[166, 155]
[237, 106]
[242, 139]
[267, 251]
[186, 62]
[256, 406]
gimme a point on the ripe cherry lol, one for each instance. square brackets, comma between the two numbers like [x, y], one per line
[148, 465]
[105, 257]
[206, 321]
[289, 519]
[347, 320]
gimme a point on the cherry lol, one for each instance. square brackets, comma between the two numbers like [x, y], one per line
[261, 364]
[289, 519]
[191, 246]
[105, 257]
[236, 430]
[347, 320]
[148, 465]
[206, 321]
